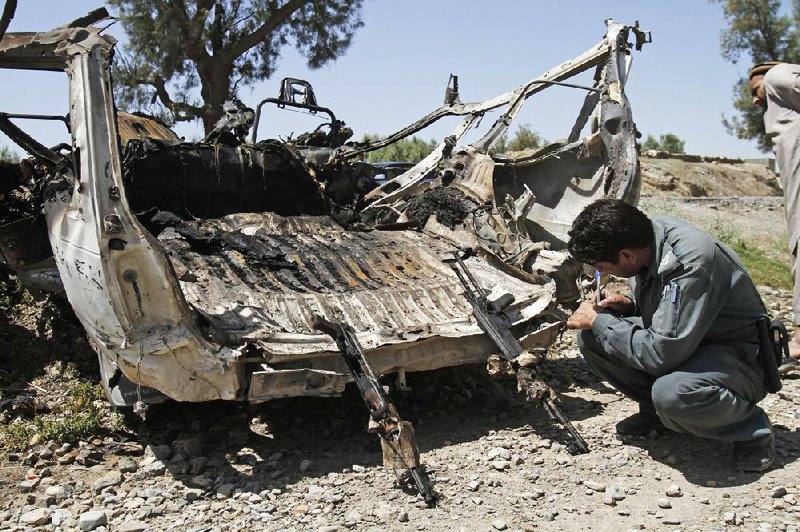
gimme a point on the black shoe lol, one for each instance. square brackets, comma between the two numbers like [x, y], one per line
[640, 424]
[755, 455]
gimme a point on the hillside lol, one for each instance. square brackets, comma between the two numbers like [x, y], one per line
[676, 177]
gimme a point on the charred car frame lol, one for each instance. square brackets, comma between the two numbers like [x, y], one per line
[198, 269]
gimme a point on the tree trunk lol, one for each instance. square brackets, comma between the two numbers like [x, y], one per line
[215, 89]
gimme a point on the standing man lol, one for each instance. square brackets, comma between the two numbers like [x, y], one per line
[776, 87]
[684, 344]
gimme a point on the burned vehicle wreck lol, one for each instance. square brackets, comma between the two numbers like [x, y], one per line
[200, 270]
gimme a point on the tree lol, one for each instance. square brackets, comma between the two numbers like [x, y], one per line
[500, 145]
[414, 149]
[218, 46]
[524, 139]
[8, 154]
[650, 143]
[668, 142]
[410, 149]
[756, 28]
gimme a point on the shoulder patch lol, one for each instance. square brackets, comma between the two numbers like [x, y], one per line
[668, 262]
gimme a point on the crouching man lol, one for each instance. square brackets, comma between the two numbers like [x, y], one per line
[684, 343]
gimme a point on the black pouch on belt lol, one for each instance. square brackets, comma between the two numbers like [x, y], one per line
[773, 345]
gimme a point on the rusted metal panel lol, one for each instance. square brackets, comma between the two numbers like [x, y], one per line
[388, 286]
[131, 126]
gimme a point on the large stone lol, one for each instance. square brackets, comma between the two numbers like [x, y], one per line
[500, 465]
[61, 516]
[197, 465]
[778, 492]
[60, 492]
[112, 478]
[384, 513]
[674, 491]
[88, 457]
[499, 453]
[28, 485]
[226, 490]
[37, 517]
[190, 446]
[352, 517]
[155, 468]
[192, 494]
[127, 465]
[333, 497]
[159, 452]
[202, 482]
[729, 518]
[43, 501]
[92, 519]
[67, 459]
[300, 509]
[594, 486]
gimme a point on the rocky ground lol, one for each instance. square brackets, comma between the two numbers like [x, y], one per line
[674, 177]
[308, 464]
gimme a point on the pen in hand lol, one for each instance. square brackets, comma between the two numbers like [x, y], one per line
[597, 282]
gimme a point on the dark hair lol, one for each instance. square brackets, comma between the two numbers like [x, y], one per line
[606, 227]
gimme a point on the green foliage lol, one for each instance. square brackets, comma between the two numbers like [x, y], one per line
[83, 394]
[8, 154]
[763, 266]
[650, 143]
[668, 142]
[85, 414]
[410, 149]
[68, 428]
[414, 149]
[524, 139]
[218, 46]
[750, 122]
[500, 145]
[764, 270]
[671, 143]
[756, 29]
[16, 435]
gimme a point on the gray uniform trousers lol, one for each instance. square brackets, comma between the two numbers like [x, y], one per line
[713, 394]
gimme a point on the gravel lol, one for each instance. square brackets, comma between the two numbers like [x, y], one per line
[309, 464]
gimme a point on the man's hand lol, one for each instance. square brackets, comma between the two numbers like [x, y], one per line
[583, 317]
[617, 303]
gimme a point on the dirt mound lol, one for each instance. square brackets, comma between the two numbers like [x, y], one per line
[675, 177]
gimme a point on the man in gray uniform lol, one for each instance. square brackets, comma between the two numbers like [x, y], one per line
[684, 343]
[776, 86]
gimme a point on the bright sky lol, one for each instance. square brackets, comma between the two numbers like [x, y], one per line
[397, 69]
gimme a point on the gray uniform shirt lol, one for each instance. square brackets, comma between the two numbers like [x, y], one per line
[694, 292]
[782, 123]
